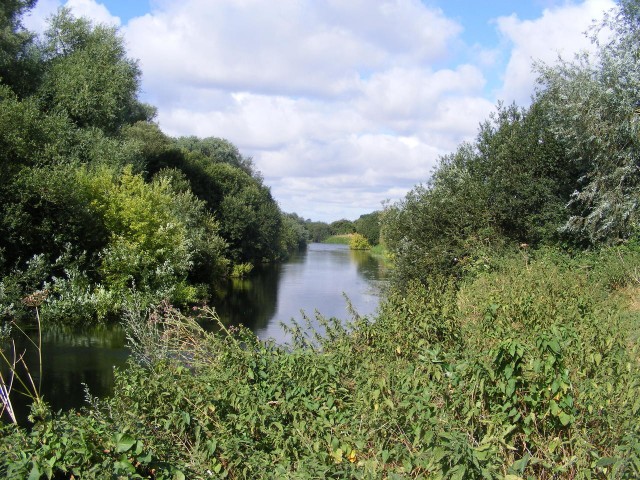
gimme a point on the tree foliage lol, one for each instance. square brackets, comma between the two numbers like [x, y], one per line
[19, 65]
[368, 225]
[592, 108]
[99, 205]
[88, 75]
[564, 170]
[341, 227]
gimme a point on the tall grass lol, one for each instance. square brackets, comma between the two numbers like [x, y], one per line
[338, 239]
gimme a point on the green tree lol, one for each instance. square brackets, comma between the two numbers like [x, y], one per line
[368, 225]
[359, 242]
[216, 150]
[523, 174]
[318, 231]
[88, 75]
[592, 109]
[19, 58]
[250, 219]
[439, 228]
[294, 234]
[341, 227]
[155, 233]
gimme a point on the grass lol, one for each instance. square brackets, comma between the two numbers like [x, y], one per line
[338, 239]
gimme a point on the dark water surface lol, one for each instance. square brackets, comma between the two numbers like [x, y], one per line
[314, 280]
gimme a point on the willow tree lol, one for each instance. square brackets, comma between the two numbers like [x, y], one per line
[88, 75]
[592, 105]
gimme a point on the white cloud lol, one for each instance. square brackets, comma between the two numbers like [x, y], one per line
[341, 104]
[560, 31]
[95, 11]
[36, 20]
[292, 47]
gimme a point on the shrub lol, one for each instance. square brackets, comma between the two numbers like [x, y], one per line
[358, 242]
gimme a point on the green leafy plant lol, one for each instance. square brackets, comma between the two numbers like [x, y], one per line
[359, 242]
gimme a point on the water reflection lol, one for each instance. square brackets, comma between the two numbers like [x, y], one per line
[70, 358]
[250, 302]
[315, 279]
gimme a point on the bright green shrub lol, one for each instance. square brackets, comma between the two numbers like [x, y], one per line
[358, 242]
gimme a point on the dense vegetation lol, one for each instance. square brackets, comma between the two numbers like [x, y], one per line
[529, 370]
[563, 171]
[507, 346]
[98, 203]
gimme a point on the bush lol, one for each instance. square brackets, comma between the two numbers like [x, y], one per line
[359, 242]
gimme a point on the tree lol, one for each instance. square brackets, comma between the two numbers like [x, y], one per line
[341, 227]
[524, 174]
[368, 225]
[19, 59]
[318, 231]
[250, 219]
[438, 228]
[216, 150]
[359, 242]
[592, 110]
[294, 234]
[88, 76]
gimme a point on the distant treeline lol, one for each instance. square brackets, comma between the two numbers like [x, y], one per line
[367, 225]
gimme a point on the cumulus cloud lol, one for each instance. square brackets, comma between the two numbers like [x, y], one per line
[559, 32]
[36, 20]
[292, 47]
[341, 104]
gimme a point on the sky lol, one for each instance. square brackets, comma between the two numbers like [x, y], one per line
[342, 104]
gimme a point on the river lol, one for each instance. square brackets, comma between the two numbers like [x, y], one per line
[316, 279]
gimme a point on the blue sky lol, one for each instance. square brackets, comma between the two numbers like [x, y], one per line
[342, 104]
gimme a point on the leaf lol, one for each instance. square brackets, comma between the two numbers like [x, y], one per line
[519, 465]
[385, 456]
[606, 461]
[457, 472]
[565, 418]
[35, 473]
[124, 442]
[554, 346]
[482, 452]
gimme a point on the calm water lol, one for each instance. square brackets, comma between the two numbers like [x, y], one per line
[314, 280]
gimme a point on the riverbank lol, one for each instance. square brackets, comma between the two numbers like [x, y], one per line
[530, 368]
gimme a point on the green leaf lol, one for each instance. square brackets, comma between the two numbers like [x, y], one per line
[35, 473]
[385, 456]
[606, 461]
[124, 442]
[457, 472]
[178, 475]
[565, 418]
[519, 465]
[554, 346]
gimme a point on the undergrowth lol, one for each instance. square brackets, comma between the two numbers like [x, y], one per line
[530, 370]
